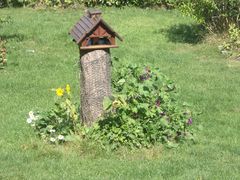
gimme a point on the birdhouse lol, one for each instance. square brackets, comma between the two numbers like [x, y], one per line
[92, 32]
[94, 38]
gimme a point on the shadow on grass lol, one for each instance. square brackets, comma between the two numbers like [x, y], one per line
[15, 37]
[184, 33]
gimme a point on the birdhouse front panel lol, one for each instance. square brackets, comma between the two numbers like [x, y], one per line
[92, 32]
[100, 36]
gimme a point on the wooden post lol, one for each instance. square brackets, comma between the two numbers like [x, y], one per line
[95, 83]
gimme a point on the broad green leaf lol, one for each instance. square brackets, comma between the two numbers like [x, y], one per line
[107, 103]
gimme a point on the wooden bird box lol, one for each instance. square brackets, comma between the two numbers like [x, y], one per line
[92, 32]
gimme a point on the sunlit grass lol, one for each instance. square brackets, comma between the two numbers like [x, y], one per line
[42, 56]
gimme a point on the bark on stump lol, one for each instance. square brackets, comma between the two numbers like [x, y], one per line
[95, 82]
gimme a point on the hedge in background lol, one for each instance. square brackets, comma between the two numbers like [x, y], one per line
[92, 3]
[217, 15]
[138, 3]
[20, 3]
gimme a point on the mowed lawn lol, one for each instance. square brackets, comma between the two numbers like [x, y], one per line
[42, 56]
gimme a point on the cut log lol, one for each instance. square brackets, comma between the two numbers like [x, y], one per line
[95, 83]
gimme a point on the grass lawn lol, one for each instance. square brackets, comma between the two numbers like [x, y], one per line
[42, 56]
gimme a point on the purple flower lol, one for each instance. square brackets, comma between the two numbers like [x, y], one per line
[190, 121]
[158, 103]
[144, 77]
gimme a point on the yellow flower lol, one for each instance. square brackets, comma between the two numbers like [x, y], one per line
[116, 104]
[59, 92]
[68, 89]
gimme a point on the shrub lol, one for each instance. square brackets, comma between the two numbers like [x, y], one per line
[217, 15]
[143, 112]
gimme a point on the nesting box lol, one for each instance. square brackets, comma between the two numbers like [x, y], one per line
[92, 32]
[94, 38]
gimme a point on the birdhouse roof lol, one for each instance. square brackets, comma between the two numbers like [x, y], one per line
[86, 25]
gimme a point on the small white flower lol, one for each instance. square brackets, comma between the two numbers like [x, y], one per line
[52, 130]
[52, 139]
[31, 115]
[29, 120]
[61, 137]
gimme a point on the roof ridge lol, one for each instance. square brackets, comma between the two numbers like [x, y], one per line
[85, 25]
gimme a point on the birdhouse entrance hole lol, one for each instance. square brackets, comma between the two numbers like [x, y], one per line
[98, 41]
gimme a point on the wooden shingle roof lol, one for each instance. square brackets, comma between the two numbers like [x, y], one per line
[85, 26]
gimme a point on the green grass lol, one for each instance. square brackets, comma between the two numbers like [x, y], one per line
[41, 56]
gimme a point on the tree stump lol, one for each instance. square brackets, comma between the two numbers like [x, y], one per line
[95, 83]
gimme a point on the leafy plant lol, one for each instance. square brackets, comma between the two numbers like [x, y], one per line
[143, 112]
[56, 124]
[232, 46]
